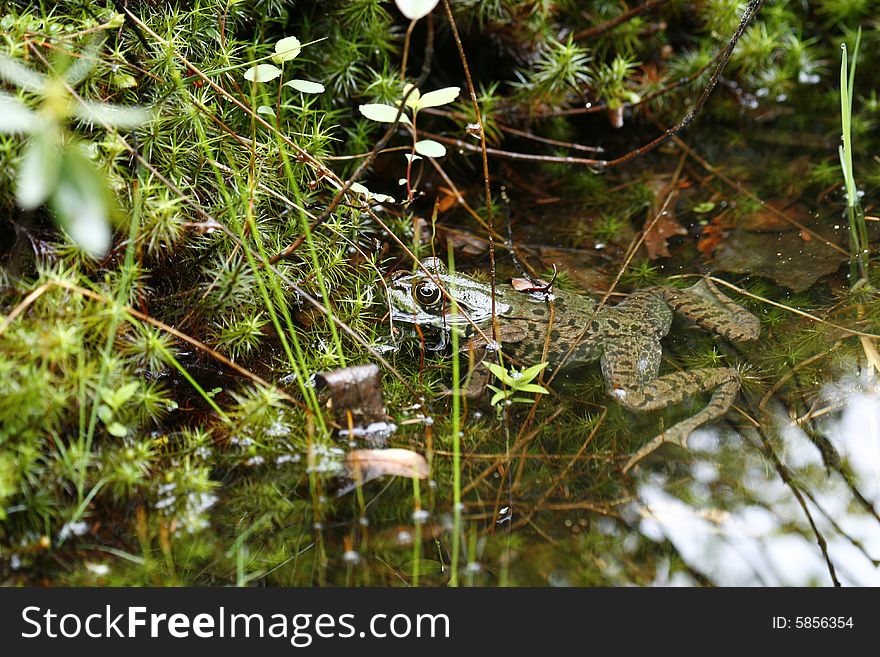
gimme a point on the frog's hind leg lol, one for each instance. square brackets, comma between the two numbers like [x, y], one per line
[709, 308]
[672, 389]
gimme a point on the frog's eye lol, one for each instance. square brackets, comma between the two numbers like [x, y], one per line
[427, 294]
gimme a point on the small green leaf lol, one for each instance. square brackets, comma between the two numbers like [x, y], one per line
[286, 49]
[107, 396]
[522, 400]
[81, 204]
[532, 387]
[412, 97]
[379, 198]
[262, 73]
[117, 429]
[123, 80]
[497, 398]
[531, 372]
[124, 393]
[16, 117]
[425, 567]
[114, 116]
[430, 148]
[105, 413]
[305, 86]
[497, 370]
[382, 113]
[266, 110]
[704, 207]
[38, 172]
[439, 97]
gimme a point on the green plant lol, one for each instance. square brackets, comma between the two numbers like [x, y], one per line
[514, 383]
[113, 402]
[412, 100]
[855, 214]
[561, 72]
[610, 86]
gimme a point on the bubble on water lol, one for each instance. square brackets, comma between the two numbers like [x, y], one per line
[99, 569]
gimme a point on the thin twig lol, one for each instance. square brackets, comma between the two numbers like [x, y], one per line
[669, 133]
[596, 30]
[785, 474]
[485, 157]
[561, 476]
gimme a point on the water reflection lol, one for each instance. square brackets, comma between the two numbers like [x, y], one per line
[765, 539]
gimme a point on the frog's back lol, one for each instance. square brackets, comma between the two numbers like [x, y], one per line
[527, 323]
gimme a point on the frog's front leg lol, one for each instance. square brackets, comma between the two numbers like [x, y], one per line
[480, 352]
[632, 379]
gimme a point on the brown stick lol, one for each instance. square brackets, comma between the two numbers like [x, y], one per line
[596, 30]
[485, 157]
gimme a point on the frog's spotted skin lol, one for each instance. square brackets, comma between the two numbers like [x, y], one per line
[625, 338]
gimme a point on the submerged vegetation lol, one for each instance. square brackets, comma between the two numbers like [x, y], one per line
[201, 203]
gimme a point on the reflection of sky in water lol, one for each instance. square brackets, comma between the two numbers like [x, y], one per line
[766, 539]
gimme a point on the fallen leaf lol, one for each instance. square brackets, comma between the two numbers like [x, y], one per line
[767, 219]
[664, 228]
[525, 285]
[447, 201]
[666, 224]
[368, 464]
[467, 244]
[714, 234]
[781, 257]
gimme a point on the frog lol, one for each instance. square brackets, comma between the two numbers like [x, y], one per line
[566, 329]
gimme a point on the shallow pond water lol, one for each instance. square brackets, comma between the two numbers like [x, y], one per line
[221, 465]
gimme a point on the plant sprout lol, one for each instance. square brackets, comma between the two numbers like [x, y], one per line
[414, 101]
[515, 383]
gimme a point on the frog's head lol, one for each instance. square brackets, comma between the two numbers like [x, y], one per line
[416, 298]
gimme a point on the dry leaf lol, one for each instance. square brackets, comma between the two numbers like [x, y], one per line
[467, 244]
[666, 224]
[713, 234]
[368, 464]
[447, 201]
[525, 285]
[767, 219]
[656, 238]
